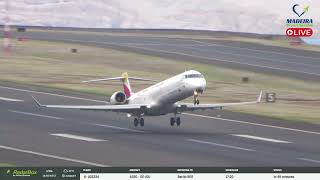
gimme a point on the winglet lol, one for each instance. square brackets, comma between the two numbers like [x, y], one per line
[259, 97]
[37, 102]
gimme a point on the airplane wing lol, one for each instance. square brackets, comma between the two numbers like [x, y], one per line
[192, 107]
[126, 108]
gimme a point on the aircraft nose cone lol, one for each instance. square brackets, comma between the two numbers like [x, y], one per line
[200, 85]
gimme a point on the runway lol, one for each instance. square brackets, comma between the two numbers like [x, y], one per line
[30, 136]
[288, 62]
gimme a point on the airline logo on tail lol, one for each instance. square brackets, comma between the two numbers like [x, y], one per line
[126, 84]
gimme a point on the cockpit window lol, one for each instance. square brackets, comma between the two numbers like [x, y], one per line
[193, 76]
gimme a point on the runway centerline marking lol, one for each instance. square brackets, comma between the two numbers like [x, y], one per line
[221, 145]
[255, 124]
[309, 160]
[195, 56]
[52, 156]
[256, 50]
[34, 114]
[252, 56]
[222, 60]
[116, 127]
[51, 94]
[260, 138]
[10, 99]
[83, 138]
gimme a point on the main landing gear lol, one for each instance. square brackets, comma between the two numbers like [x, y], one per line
[138, 121]
[175, 120]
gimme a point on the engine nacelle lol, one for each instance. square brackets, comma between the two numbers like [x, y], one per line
[118, 98]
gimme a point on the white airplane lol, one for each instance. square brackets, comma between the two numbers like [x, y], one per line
[159, 99]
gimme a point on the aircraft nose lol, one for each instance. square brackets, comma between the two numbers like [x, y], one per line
[199, 85]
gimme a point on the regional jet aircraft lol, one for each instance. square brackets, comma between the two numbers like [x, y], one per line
[159, 99]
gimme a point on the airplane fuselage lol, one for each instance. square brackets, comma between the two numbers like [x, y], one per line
[163, 95]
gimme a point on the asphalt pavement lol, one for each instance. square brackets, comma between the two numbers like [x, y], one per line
[31, 136]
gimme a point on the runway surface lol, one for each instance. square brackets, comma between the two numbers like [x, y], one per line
[254, 57]
[30, 136]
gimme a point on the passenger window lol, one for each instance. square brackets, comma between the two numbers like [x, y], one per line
[193, 76]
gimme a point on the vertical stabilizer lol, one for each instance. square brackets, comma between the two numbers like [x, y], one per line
[126, 84]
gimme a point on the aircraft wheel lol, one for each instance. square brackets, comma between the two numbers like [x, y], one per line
[135, 122]
[172, 121]
[141, 122]
[178, 121]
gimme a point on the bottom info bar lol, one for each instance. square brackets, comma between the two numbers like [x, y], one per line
[199, 176]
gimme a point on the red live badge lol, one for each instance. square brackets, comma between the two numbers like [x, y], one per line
[296, 32]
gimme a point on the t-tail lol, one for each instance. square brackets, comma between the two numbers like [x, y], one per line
[125, 81]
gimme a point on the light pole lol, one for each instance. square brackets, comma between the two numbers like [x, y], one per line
[7, 33]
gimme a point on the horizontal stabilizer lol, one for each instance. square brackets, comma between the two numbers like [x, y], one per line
[119, 78]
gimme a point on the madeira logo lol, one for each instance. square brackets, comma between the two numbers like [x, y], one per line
[299, 26]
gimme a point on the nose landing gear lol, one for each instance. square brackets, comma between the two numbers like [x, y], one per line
[196, 101]
[195, 97]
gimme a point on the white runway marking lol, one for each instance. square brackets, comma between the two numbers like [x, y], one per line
[83, 138]
[255, 124]
[260, 138]
[33, 114]
[221, 145]
[196, 56]
[9, 99]
[202, 57]
[309, 160]
[256, 50]
[51, 94]
[116, 127]
[207, 44]
[225, 60]
[52, 156]
[257, 57]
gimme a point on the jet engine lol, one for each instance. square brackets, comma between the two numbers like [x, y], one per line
[118, 98]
